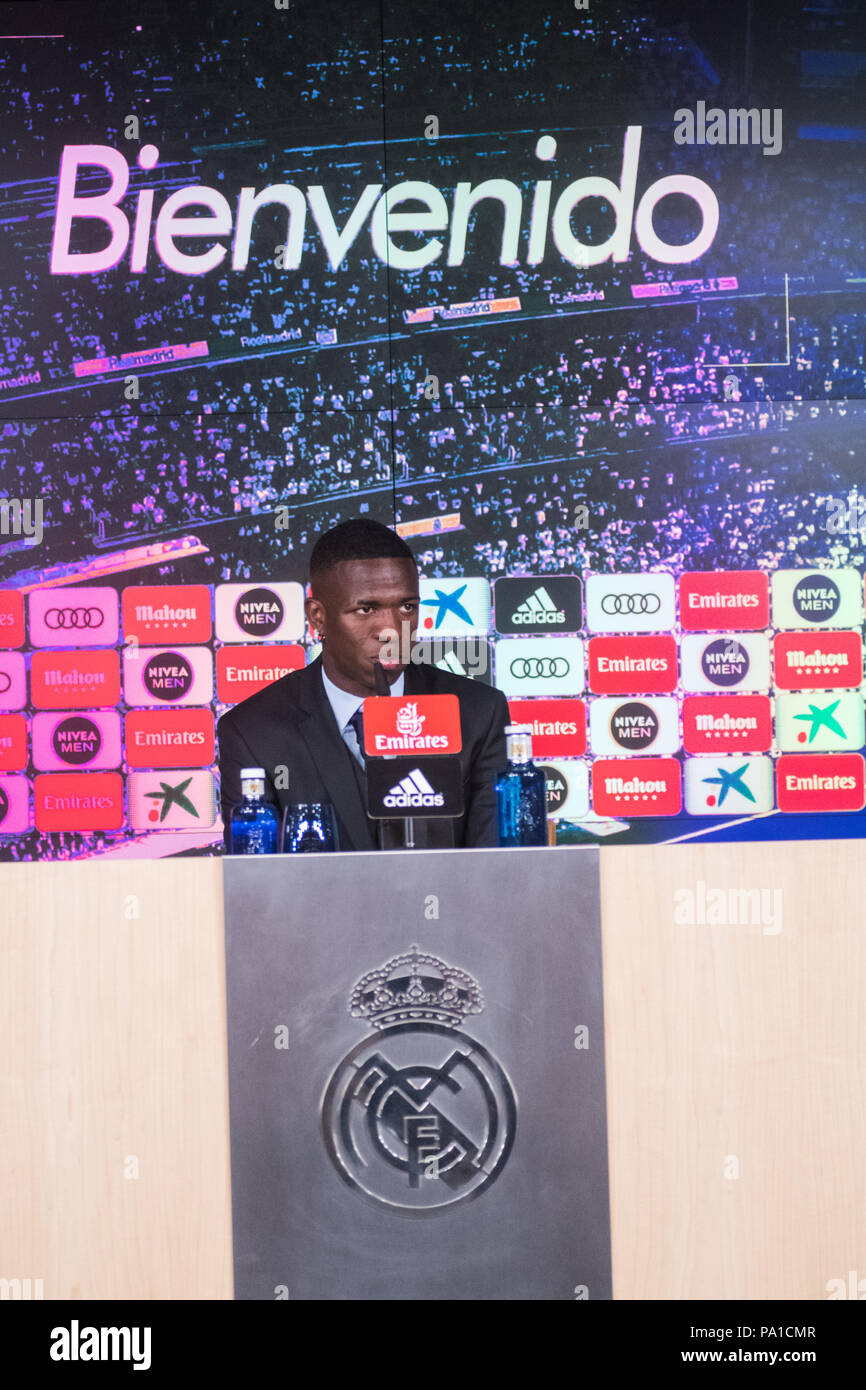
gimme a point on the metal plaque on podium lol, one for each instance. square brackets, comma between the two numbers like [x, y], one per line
[416, 1068]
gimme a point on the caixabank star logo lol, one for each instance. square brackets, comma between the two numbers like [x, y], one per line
[419, 1116]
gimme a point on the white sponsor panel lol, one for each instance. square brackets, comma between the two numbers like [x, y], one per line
[539, 666]
[817, 598]
[820, 721]
[171, 799]
[259, 612]
[726, 663]
[631, 602]
[568, 789]
[728, 786]
[453, 607]
[635, 724]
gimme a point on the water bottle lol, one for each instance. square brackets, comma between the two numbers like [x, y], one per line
[254, 824]
[521, 793]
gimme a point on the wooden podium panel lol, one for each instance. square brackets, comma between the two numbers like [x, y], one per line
[728, 1049]
[735, 1050]
[114, 1167]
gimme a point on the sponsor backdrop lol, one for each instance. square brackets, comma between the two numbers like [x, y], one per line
[573, 298]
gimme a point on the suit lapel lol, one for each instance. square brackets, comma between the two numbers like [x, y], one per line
[318, 728]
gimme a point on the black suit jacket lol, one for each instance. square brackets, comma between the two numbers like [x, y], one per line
[291, 724]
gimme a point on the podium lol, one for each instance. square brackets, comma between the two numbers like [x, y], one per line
[416, 1076]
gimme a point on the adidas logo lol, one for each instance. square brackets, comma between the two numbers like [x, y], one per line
[451, 663]
[538, 608]
[413, 791]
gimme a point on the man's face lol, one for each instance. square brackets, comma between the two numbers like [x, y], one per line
[358, 607]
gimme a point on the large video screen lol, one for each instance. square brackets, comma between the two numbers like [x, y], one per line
[572, 296]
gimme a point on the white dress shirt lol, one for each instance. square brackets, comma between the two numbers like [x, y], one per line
[344, 705]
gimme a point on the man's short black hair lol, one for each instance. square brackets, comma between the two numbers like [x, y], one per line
[359, 539]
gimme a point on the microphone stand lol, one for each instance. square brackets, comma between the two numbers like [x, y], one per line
[383, 688]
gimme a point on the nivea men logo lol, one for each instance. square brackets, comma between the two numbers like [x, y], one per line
[537, 604]
[167, 676]
[634, 726]
[76, 740]
[816, 598]
[259, 612]
[725, 662]
[557, 788]
[413, 793]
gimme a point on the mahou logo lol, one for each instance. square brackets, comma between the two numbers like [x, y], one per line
[156, 613]
[726, 723]
[645, 787]
[208, 214]
[818, 660]
[724, 601]
[820, 782]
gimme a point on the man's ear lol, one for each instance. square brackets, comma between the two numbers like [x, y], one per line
[315, 614]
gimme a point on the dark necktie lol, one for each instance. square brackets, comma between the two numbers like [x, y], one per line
[357, 723]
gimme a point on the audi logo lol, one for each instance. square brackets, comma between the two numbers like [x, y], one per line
[56, 618]
[5, 682]
[533, 667]
[630, 603]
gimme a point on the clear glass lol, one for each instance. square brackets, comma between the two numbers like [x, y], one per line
[310, 827]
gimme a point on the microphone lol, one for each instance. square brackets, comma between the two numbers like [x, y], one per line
[382, 686]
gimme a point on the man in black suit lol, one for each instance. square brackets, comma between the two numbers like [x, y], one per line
[364, 608]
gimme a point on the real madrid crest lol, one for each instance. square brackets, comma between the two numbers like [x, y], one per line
[419, 1116]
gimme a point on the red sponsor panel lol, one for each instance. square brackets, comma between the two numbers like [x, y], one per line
[242, 671]
[821, 782]
[169, 738]
[13, 742]
[158, 613]
[74, 679]
[818, 660]
[736, 601]
[558, 726]
[78, 801]
[11, 618]
[404, 724]
[626, 787]
[722, 723]
[639, 665]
